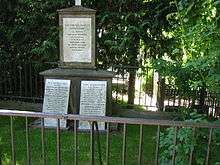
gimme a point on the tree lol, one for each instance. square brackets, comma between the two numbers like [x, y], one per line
[123, 25]
[194, 59]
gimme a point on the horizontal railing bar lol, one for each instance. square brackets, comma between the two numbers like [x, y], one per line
[121, 120]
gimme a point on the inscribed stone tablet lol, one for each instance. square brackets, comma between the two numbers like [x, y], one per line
[77, 40]
[56, 100]
[93, 101]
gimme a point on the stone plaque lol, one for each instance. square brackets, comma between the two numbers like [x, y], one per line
[56, 100]
[77, 40]
[93, 101]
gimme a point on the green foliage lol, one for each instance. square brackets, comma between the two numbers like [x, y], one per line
[147, 84]
[120, 88]
[186, 141]
[194, 56]
[181, 37]
[1, 150]
[29, 30]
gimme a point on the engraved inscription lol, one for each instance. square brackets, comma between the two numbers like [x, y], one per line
[93, 101]
[77, 43]
[56, 99]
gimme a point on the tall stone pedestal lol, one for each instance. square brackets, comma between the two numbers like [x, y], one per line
[90, 91]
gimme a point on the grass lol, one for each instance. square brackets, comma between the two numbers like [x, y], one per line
[67, 145]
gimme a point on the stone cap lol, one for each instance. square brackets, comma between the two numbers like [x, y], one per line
[61, 72]
[76, 10]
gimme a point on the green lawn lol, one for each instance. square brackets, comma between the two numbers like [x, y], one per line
[67, 145]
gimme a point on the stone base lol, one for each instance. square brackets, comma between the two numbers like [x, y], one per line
[77, 76]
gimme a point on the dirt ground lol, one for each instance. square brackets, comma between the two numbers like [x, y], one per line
[19, 105]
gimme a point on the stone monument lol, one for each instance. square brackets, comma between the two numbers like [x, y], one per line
[56, 99]
[90, 91]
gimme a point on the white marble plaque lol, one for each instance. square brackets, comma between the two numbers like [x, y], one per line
[93, 101]
[77, 40]
[56, 100]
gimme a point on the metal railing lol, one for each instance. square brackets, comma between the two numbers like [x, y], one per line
[108, 120]
[22, 81]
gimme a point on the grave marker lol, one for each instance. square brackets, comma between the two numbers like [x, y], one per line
[90, 87]
[56, 100]
[77, 37]
[93, 101]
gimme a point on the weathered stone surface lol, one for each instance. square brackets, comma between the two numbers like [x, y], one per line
[77, 76]
[61, 72]
[76, 9]
[56, 100]
[77, 37]
[93, 98]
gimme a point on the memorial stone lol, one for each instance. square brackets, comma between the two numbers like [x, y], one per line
[77, 37]
[56, 100]
[93, 101]
[90, 91]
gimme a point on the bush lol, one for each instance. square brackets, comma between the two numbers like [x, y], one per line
[186, 141]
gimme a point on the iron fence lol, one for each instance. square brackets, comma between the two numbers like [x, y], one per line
[154, 93]
[160, 124]
[21, 80]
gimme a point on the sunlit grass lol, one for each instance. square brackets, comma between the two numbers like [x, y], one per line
[67, 145]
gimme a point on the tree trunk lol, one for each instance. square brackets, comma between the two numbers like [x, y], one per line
[161, 93]
[202, 96]
[131, 86]
[133, 52]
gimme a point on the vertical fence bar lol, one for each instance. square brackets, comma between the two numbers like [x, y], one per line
[43, 141]
[117, 86]
[12, 141]
[20, 81]
[107, 145]
[27, 141]
[139, 98]
[169, 94]
[174, 148]
[209, 143]
[140, 145]
[10, 88]
[179, 98]
[98, 143]
[75, 143]
[30, 80]
[15, 79]
[157, 146]
[174, 97]
[124, 144]
[41, 87]
[25, 80]
[123, 83]
[36, 85]
[5, 80]
[2, 80]
[92, 146]
[58, 142]
[192, 148]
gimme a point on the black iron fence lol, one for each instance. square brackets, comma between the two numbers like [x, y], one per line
[22, 81]
[124, 122]
[152, 92]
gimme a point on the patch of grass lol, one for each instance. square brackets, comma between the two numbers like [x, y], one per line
[67, 145]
